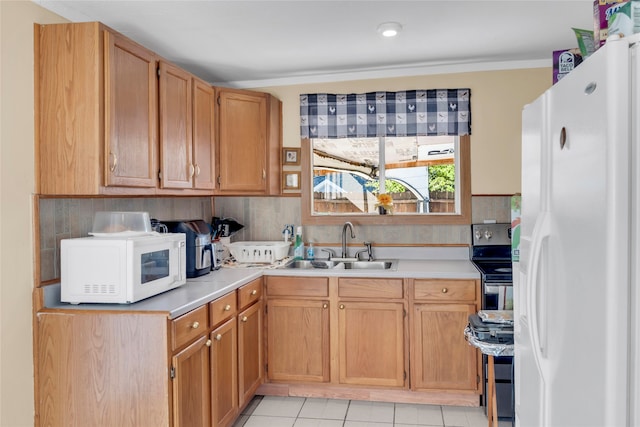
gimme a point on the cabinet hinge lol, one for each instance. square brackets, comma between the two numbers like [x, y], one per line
[477, 379]
[172, 372]
[218, 179]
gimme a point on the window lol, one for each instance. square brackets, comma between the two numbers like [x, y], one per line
[427, 177]
[412, 146]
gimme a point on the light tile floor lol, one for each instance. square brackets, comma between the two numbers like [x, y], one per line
[276, 411]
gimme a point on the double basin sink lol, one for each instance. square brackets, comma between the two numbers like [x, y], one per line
[344, 264]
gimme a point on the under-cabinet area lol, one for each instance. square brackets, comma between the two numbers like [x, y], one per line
[230, 336]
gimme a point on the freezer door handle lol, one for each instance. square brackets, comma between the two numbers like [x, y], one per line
[536, 289]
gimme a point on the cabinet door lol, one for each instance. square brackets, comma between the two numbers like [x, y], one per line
[441, 357]
[298, 340]
[131, 113]
[242, 145]
[371, 339]
[203, 135]
[250, 357]
[224, 373]
[191, 387]
[175, 127]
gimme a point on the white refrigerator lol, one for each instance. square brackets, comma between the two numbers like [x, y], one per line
[576, 293]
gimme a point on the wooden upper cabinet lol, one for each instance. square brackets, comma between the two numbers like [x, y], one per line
[96, 111]
[175, 127]
[203, 135]
[249, 142]
[111, 115]
[130, 113]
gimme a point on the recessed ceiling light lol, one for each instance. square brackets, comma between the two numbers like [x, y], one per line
[389, 29]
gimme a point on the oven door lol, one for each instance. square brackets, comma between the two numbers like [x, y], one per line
[497, 296]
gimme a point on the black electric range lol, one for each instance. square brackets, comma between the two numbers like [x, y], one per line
[491, 254]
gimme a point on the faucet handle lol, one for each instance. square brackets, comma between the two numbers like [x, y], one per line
[369, 250]
[329, 251]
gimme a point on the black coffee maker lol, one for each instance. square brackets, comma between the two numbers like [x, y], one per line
[199, 249]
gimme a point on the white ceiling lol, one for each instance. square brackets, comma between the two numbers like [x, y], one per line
[267, 43]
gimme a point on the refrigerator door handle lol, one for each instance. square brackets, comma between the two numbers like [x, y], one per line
[540, 233]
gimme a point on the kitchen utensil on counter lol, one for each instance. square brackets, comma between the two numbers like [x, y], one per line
[225, 227]
[200, 256]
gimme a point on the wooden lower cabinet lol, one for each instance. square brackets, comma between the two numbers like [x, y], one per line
[298, 340]
[191, 386]
[371, 343]
[441, 358]
[96, 369]
[224, 373]
[250, 354]
[113, 368]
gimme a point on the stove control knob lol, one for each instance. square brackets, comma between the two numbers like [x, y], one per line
[478, 235]
[487, 234]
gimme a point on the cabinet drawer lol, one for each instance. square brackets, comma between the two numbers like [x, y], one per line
[370, 288]
[222, 308]
[249, 293]
[445, 290]
[189, 326]
[298, 286]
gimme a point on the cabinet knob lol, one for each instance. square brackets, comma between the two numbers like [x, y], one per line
[244, 318]
[195, 325]
[325, 305]
[218, 337]
[254, 292]
[341, 306]
[208, 343]
[227, 307]
[264, 174]
[445, 290]
[114, 163]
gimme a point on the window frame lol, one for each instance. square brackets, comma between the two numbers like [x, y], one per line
[464, 217]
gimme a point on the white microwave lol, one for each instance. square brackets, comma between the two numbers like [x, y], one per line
[121, 269]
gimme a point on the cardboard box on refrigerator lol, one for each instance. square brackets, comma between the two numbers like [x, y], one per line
[564, 61]
[602, 11]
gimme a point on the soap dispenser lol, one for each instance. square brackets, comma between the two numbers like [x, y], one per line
[298, 249]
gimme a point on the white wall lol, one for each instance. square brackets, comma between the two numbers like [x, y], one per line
[16, 189]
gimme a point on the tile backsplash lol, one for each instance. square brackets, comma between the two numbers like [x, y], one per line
[72, 217]
[263, 219]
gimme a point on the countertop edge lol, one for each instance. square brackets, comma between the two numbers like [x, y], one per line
[202, 290]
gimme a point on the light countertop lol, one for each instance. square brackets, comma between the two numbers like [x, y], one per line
[203, 289]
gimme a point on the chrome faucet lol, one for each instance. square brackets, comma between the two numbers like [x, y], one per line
[344, 237]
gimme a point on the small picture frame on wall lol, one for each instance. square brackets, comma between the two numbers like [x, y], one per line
[290, 156]
[290, 180]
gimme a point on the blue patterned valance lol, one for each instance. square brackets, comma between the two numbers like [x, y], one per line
[411, 113]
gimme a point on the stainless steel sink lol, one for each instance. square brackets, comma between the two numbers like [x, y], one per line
[309, 264]
[371, 265]
[346, 265]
